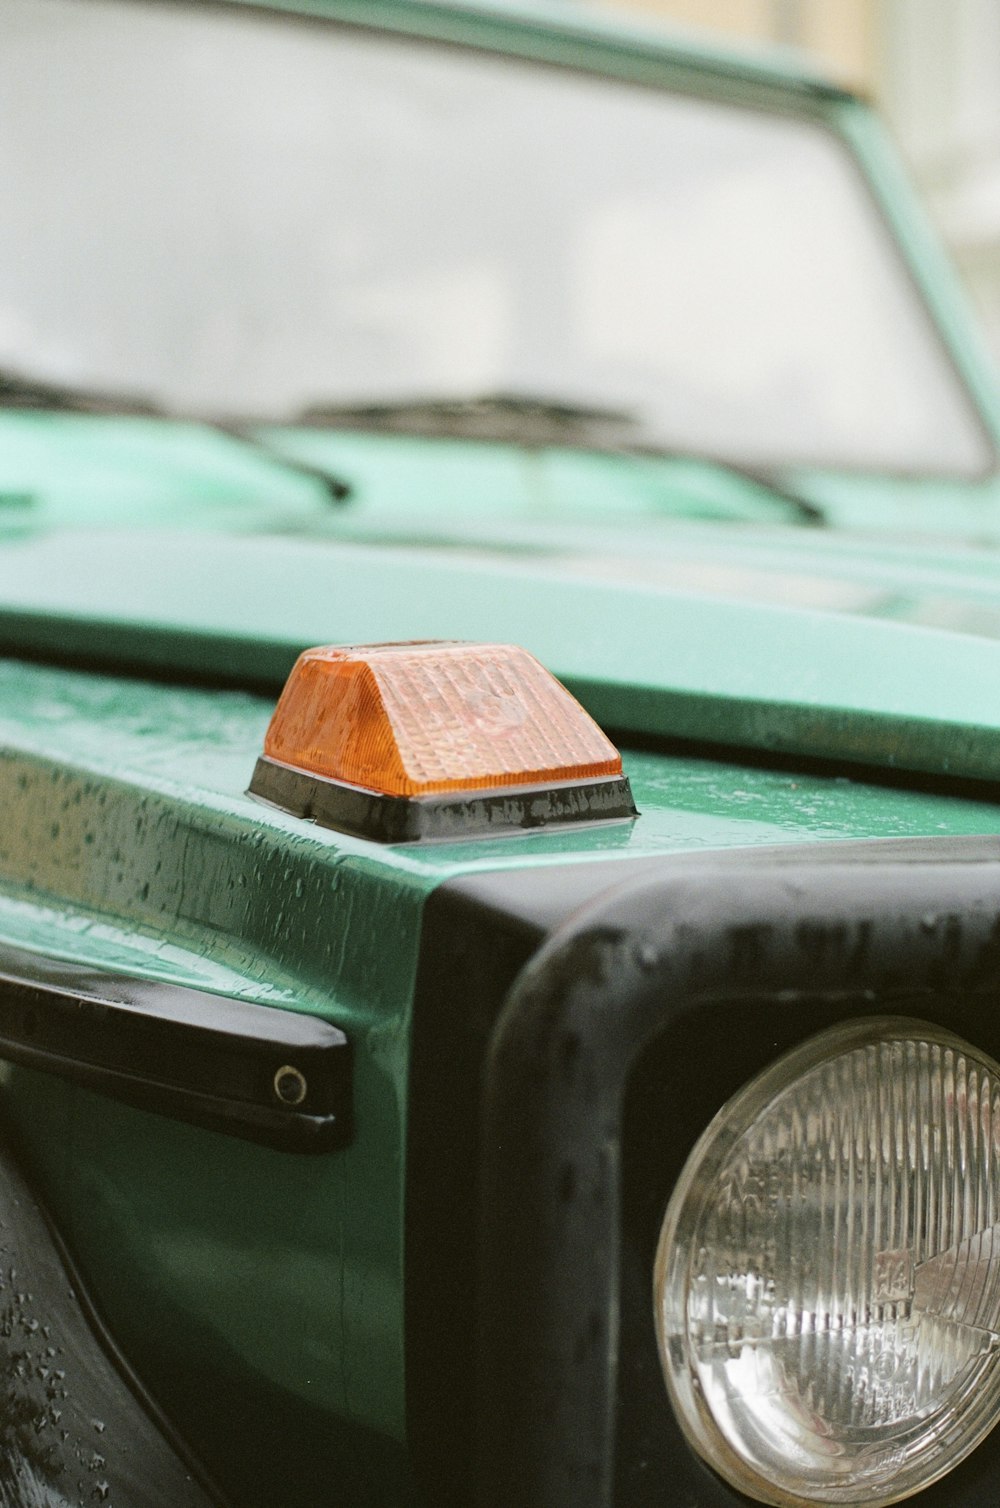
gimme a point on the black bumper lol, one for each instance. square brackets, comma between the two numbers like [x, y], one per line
[576, 1029]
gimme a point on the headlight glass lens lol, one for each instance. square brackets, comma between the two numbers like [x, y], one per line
[827, 1282]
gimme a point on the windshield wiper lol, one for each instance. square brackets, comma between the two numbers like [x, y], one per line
[337, 490]
[523, 419]
[21, 390]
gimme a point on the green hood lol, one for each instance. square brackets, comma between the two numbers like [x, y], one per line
[733, 656]
[674, 599]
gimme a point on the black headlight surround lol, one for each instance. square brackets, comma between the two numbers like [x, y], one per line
[651, 1455]
[643, 1008]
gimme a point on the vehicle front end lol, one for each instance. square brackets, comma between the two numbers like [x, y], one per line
[405, 1101]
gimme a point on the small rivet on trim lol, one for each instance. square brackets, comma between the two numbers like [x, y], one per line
[290, 1085]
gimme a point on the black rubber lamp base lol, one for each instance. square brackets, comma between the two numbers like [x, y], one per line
[440, 818]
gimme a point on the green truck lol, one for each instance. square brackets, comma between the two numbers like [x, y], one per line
[406, 1102]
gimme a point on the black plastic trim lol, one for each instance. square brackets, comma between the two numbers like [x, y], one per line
[180, 1052]
[575, 1030]
[439, 818]
[76, 1423]
[478, 933]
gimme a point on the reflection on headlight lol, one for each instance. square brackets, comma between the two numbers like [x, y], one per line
[828, 1276]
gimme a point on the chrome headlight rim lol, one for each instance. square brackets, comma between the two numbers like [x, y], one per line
[951, 1431]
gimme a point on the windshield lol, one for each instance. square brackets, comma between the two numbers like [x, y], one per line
[235, 214]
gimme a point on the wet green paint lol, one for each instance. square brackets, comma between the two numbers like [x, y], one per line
[680, 663]
[134, 847]
[129, 843]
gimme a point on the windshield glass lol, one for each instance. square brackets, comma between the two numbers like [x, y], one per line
[239, 215]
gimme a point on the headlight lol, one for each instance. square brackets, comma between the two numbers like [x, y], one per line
[827, 1281]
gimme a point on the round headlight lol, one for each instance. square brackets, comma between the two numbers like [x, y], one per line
[827, 1281]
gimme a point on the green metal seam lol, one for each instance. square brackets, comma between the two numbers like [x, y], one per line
[594, 40]
[929, 264]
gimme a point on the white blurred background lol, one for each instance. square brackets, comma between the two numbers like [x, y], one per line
[933, 69]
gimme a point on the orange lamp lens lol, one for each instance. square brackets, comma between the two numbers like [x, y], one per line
[415, 719]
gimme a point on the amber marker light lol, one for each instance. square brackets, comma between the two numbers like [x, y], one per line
[433, 740]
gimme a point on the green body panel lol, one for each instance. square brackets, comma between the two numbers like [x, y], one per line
[59, 470]
[135, 849]
[680, 663]
[677, 600]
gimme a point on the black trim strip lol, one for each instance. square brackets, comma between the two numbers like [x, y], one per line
[575, 1028]
[708, 971]
[478, 933]
[253, 1071]
[74, 1411]
[439, 818]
